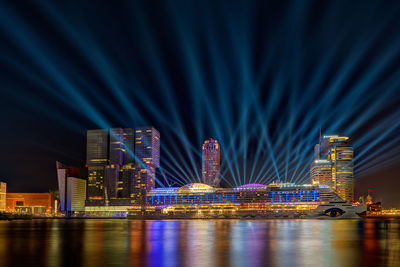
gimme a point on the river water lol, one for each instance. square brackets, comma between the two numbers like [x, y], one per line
[122, 242]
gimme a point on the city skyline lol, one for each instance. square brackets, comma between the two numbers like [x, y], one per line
[251, 75]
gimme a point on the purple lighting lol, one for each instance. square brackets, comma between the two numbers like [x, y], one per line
[248, 186]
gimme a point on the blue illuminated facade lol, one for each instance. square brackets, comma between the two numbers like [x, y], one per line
[209, 196]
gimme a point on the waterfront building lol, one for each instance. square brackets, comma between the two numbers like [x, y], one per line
[96, 159]
[76, 194]
[97, 147]
[121, 154]
[341, 155]
[127, 176]
[321, 172]
[3, 192]
[64, 173]
[333, 165]
[147, 150]
[111, 180]
[211, 162]
[44, 200]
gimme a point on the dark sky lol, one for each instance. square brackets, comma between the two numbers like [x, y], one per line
[260, 77]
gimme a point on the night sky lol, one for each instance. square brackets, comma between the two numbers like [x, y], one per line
[260, 77]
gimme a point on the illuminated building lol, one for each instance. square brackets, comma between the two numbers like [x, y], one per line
[111, 180]
[341, 155]
[276, 200]
[121, 146]
[44, 200]
[76, 194]
[333, 165]
[96, 159]
[97, 147]
[121, 153]
[3, 192]
[72, 189]
[210, 162]
[321, 172]
[126, 180]
[147, 150]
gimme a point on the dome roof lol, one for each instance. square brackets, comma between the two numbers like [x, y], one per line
[195, 187]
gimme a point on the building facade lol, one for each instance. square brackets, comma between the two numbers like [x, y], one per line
[23, 200]
[3, 192]
[121, 163]
[321, 172]
[76, 194]
[96, 160]
[72, 189]
[147, 151]
[211, 160]
[333, 165]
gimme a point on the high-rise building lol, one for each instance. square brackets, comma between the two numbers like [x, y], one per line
[341, 154]
[147, 151]
[3, 192]
[97, 147]
[121, 154]
[112, 174]
[333, 165]
[117, 148]
[96, 159]
[127, 176]
[211, 160]
[321, 172]
[147, 145]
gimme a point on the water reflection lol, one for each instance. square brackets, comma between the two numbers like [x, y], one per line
[200, 243]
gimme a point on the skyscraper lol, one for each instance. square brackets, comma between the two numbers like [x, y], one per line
[321, 172]
[333, 165]
[121, 153]
[96, 159]
[147, 150]
[342, 154]
[211, 162]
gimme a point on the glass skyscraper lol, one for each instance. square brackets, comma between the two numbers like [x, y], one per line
[147, 151]
[96, 159]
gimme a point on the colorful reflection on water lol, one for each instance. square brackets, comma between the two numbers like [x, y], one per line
[200, 243]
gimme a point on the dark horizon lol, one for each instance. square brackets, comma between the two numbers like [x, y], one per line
[262, 78]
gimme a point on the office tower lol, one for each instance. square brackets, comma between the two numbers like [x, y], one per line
[126, 179]
[334, 155]
[121, 154]
[321, 172]
[97, 147]
[341, 154]
[129, 145]
[211, 162]
[72, 189]
[117, 148]
[3, 192]
[147, 150]
[111, 180]
[97, 158]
